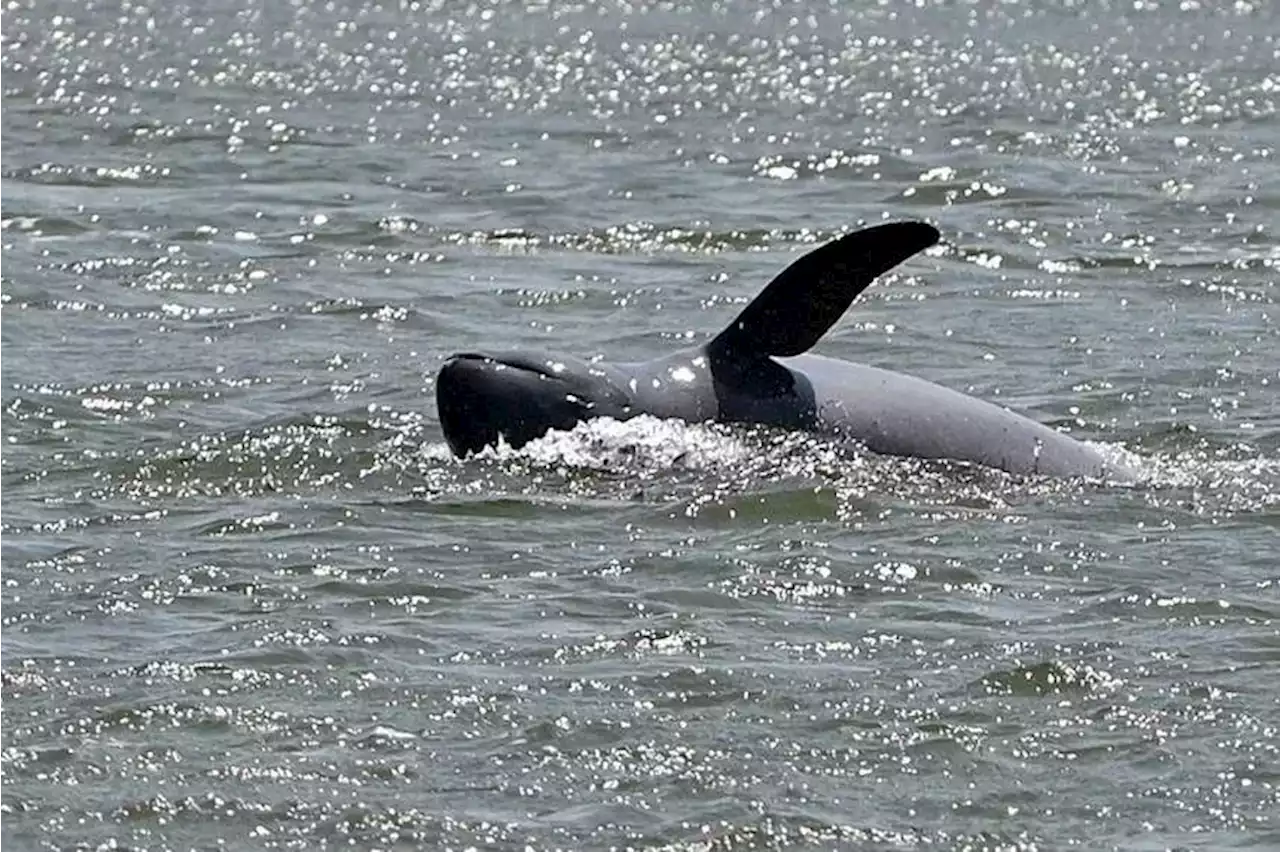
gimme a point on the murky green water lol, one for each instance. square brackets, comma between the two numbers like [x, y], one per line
[250, 601]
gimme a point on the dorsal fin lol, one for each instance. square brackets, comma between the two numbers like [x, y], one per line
[811, 294]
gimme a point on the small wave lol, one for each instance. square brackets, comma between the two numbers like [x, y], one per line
[1053, 677]
[1200, 468]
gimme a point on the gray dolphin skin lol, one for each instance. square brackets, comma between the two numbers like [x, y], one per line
[758, 370]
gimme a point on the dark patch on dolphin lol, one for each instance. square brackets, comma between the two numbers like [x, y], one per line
[757, 370]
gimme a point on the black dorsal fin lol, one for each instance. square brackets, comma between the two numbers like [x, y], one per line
[811, 294]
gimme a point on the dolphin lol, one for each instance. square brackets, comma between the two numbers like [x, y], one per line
[759, 370]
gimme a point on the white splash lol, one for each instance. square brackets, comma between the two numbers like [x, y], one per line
[643, 442]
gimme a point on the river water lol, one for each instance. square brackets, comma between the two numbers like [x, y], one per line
[250, 601]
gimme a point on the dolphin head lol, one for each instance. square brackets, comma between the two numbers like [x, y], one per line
[520, 396]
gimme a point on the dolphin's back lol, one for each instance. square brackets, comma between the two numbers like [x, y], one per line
[903, 415]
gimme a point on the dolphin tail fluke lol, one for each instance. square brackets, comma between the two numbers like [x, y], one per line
[811, 294]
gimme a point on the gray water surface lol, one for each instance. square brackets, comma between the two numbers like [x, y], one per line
[251, 602]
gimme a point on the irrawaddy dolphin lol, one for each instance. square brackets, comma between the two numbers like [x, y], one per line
[759, 370]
